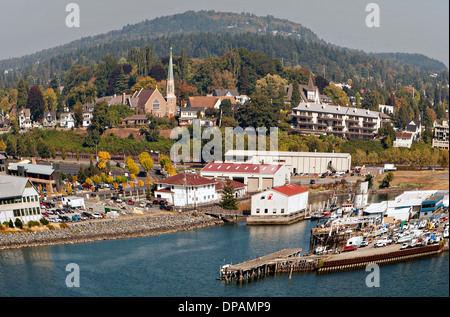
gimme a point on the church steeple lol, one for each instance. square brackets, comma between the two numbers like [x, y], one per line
[170, 91]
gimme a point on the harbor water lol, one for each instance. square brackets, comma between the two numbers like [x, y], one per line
[186, 264]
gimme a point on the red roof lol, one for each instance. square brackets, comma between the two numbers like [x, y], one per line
[241, 168]
[221, 183]
[403, 135]
[290, 189]
[187, 179]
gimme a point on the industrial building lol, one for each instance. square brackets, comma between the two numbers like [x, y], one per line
[296, 162]
[257, 177]
[279, 205]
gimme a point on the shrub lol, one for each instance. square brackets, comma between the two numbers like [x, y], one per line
[44, 221]
[32, 223]
[18, 223]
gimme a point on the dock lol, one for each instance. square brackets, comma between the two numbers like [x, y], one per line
[286, 260]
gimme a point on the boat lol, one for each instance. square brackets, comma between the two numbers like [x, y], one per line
[347, 207]
[404, 239]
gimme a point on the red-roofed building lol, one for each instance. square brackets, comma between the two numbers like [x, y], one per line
[280, 205]
[257, 177]
[240, 189]
[186, 189]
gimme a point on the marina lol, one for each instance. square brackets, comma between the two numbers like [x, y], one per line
[346, 237]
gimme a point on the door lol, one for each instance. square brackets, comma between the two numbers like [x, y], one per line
[252, 184]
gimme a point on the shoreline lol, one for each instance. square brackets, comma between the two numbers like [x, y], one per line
[110, 229]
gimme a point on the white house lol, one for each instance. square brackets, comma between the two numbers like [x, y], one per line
[18, 199]
[257, 177]
[25, 121]
[186, 189]
[403, 139]
[67, 120]
[282, 204]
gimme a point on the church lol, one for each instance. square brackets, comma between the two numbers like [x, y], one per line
[152, 101]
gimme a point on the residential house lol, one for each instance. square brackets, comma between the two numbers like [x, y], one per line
[225, 92]
[414, 127]
[25, 121]
[137, 119]
[49, 119]
[386, 109]
[340, 121]
[308, 93]
[186, 190]
[88, 109]
[403, 139]
[441, 135]
[188, 114]
[67, 120]
[18, 199]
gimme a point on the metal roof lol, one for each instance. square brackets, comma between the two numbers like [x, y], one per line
[337, 109]
[12, 186]
[284, 153]
[34, 168]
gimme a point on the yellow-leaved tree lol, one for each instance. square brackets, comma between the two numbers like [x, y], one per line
[103, 159]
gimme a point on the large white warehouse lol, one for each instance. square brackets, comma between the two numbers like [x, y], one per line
[296, 162]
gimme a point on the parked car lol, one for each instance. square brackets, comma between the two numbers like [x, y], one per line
[364, 244]
[312, 181]
[97, 215]
[131, 202]
[404, 246]
[348, 248]
[86, 214]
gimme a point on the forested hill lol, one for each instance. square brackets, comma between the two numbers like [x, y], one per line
[292, 43]
[418, 60]
[189, 22]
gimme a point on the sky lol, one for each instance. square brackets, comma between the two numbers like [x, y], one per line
[409, 26]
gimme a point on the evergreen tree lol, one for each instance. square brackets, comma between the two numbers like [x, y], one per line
[228, 201]
[36, 103]
[296, 97]
[22, 94]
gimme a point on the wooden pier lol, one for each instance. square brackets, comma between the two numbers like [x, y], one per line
[287, 260]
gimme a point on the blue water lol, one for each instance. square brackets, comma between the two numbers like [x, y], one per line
[187, 264]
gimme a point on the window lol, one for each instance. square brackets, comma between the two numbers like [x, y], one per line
[156, 104]
[257, 210]
[282, 210]
[266, 211]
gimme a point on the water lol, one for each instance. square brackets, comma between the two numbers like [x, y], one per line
[187, 264]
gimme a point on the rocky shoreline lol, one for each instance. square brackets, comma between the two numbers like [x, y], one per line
[108, 229]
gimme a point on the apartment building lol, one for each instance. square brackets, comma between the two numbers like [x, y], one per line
[441, 135]
[344, 122]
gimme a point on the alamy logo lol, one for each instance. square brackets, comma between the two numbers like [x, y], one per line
[373, 18]
[73, 278]
[373, 279]
[73, 18]
[235, 138]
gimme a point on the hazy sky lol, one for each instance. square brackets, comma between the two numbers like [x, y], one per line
[412, 26]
